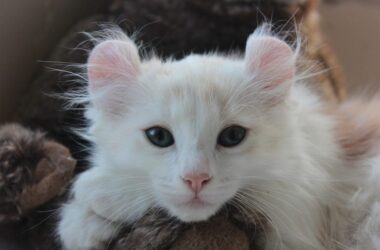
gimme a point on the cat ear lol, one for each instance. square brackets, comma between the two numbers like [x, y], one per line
[111, 66]
[270, 64]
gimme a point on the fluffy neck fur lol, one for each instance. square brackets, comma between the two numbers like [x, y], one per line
[337, 176]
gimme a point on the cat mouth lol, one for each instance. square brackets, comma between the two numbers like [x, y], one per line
[193, 209]
[195, 203]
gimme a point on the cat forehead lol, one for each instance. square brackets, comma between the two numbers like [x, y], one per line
[195, 79]
[198, 87]
[196, 70]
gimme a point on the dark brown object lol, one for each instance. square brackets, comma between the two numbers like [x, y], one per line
[33, 170]
[229, 229]
[154, 231]
[218, 233]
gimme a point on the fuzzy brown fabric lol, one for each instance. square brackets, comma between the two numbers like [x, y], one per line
[33, 170]
[229, 229]
[172, 28]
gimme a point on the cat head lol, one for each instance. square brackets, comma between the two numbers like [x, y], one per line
[194, 131]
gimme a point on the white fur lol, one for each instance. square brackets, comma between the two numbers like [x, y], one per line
[288, 168]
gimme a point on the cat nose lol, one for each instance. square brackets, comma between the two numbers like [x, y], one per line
[196, 181]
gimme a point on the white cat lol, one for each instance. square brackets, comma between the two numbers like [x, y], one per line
[190, 135]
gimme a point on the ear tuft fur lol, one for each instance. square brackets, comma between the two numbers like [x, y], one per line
[270, 62]
[110, 61]
[113, 65]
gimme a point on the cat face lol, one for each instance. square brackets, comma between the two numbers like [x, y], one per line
[193, 131]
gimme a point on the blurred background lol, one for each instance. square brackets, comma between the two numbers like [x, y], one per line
[353, 29]
[30, 30]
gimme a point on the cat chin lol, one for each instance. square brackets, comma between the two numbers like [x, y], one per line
[188, 213]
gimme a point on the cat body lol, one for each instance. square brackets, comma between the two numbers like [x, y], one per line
[190, 135]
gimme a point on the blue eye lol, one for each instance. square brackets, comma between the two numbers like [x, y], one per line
[160, 137]
[231, 136]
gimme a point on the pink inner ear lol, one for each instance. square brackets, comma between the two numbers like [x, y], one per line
[101, 67]
[270, 58]
[112, 60]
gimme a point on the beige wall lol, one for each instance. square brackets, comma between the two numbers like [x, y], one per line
[28, 29]
[353, 28]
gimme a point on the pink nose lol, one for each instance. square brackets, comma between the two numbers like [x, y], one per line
[196, 181]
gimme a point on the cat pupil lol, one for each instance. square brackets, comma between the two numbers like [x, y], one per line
[159, 137]
[231, 136]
